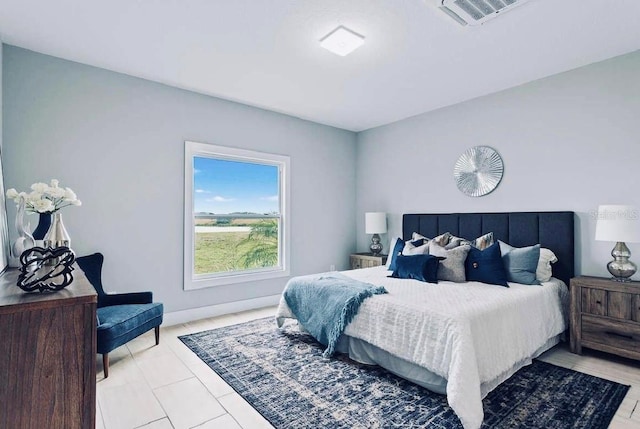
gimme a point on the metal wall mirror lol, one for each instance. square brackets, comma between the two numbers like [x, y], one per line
[478, 171]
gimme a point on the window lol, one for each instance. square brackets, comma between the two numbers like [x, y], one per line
[236, 216]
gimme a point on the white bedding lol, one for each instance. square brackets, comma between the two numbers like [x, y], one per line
[470, 333]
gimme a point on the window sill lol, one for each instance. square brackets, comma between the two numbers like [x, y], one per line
[203, 282]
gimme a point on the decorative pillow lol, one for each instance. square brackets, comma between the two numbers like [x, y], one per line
[451, 268]
[486, 266]
[544, 270]
[416, 247]
[454, 242]
[441, 240]
[481, 242]
[397, 250]
[520, 263]
[417, 267]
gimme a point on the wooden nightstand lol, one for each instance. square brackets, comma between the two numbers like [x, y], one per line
[367, 260]
[605, 315]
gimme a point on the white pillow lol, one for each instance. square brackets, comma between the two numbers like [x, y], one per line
[544, 271]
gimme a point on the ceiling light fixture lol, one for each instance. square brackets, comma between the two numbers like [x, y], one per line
[342, 41]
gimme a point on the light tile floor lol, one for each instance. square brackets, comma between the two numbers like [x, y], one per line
[169, 387]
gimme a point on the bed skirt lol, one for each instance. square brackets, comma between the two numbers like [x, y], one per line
[368, 354]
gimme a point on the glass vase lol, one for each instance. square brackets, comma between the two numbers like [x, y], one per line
[25, 240]
[57, 235]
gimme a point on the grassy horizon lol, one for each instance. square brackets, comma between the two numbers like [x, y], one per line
[233, 222]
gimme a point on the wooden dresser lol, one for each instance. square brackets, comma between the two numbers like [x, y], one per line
[367, 260]
[605, 315]
[47, 361]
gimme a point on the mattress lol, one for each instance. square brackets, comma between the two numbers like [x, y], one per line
[471, 335]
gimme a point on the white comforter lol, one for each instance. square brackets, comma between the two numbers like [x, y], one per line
[470, 333]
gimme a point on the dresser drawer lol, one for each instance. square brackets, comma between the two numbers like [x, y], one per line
[613, 333]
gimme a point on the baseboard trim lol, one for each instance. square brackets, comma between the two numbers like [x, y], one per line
[184, 316]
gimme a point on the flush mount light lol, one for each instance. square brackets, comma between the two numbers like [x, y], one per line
[342, 41]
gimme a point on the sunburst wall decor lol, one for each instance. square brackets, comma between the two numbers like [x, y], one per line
[478, 171]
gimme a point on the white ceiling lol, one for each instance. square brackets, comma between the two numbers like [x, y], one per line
[266, 53]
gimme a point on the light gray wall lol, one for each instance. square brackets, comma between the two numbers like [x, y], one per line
[569, 142]
[118, 141]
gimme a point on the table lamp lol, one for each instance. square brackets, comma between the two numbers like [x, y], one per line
[619, 223]
[375, 223]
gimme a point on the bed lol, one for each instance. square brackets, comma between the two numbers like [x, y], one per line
[463, 339]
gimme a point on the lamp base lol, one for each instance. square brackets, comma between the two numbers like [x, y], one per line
[621, 268]
[375, 247]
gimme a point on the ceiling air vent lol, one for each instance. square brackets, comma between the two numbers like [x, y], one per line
[476, 12]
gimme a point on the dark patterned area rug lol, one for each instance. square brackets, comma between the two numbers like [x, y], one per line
[282, 374]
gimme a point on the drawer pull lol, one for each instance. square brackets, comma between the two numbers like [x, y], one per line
[615, 334]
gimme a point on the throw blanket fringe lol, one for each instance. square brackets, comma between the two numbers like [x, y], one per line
[347, 314]
[325, 304]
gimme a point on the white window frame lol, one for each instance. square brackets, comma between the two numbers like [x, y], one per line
[194, 281]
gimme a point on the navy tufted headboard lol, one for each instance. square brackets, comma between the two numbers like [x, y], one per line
[553, 230]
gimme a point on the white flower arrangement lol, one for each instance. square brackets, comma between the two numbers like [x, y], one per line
[45, 198]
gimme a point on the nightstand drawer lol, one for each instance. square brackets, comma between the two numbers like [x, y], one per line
[613, 333]
[366, 260]
[619, 305]
[594, 301]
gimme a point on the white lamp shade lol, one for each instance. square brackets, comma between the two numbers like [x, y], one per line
[375, 222]
[618, 223]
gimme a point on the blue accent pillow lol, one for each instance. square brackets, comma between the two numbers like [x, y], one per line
[397, 250]
[418, 267]
[486, 266]
[521, 263]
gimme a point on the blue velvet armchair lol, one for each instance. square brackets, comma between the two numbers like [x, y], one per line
[122, 316]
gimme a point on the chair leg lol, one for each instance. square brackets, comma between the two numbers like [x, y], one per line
[157, 335]
[105, 364]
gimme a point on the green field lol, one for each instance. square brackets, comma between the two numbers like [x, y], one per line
[217, 251]
[231, 251]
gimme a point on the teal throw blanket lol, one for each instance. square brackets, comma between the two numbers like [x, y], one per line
[325, 304]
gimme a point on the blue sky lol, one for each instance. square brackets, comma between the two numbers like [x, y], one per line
[222, 186]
